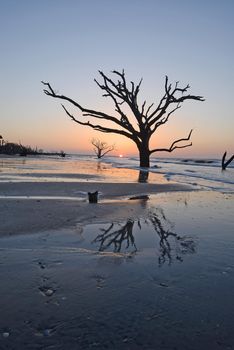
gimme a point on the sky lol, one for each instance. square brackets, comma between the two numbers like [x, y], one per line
[66, 42]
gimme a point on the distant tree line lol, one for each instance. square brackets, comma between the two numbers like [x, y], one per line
[12, 148]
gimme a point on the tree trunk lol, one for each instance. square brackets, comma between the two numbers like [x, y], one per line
[143, 176]
[144, 155]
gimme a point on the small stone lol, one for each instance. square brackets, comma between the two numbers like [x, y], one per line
[163, 285]
[47, 332]
[5, 334]
[49, 292]
[42, 266]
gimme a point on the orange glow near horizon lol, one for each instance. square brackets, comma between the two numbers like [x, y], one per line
[75, 139]
[62, 134]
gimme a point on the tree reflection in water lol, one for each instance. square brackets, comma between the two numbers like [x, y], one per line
[116, 238]
[120, 238]
[171, 245]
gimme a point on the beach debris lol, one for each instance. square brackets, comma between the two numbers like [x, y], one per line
[144, 197]
[163, 284]
[226, 163]
[93, 197]
[46, 291]
[42, 266]
[47, 332]
[49, 292]
[153, 316]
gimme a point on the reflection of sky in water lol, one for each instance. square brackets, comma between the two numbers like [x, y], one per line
[47, 169]
[203, 174]
[175, 225]
[132, 298]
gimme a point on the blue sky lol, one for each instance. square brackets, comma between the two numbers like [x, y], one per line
[67, 42]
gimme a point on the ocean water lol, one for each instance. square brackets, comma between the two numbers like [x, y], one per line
[200, 173]
[204, 173]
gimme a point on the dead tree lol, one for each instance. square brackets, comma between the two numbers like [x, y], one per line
[101, 148]
[226, 163]
[140, 121]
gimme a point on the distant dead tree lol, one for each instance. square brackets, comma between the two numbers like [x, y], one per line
[226, 163]
[101, 148]
[134, 120]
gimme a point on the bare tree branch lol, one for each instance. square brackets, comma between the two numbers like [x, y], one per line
[97, 127]
[165, 119]
[226, 163]
[174, 145]
[170, 98]
[92, 113]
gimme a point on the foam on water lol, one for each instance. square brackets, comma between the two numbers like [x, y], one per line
[205, 173]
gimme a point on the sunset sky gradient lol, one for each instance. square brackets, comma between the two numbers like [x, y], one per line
[67, 42]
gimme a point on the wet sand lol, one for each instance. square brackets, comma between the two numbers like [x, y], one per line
[120, 274]
[31, 207]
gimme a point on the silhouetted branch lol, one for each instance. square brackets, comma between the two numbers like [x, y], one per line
[169, 98]
[124, 123]
[165, 119]
[174, 145]
[97, 127]
[226, 163]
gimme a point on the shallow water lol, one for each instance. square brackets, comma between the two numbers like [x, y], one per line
[162, 281]
[69, 169]
[202, 173]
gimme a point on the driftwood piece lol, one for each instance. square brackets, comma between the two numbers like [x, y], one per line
[226, 163]
[143, 196]
[93, 197]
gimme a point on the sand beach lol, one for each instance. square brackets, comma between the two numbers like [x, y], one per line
[150, 266]
[127, 103]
